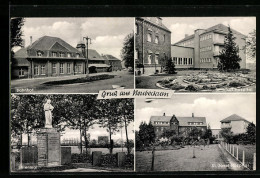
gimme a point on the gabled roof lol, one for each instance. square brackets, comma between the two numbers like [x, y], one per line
[161, 26]
[110, 57]
[183, 121]
[21, 53]
[94, 55]
[234, 117]
[47, 42]
[217, 28]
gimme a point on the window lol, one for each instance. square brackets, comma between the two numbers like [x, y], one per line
[54, 54]
[175, 60]
[157, 59]
[36, 70]
[190, 61]
[68, 68]
[136, 54]
[39, 53]
[77, 55]
[61, 68]
[42, 69]
[62, 55]
[180, 61]
[163, 38]
[185, 61]
[156, 40]
[54, 71]
[149, 58]
[78, 68]
[136, 29]
[69, 55]
[21, 72]
[149, 37]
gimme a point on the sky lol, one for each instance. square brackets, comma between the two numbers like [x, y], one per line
[107, 34]
[179, 26]
[214, 107]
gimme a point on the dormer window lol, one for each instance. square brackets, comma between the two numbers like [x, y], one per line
[69, 55]
[54, 54]
[39, 53]
[62, 55]
[77, 55]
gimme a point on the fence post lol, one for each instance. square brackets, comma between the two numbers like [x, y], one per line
[254, 162]
[243, 160]
[152, 168]
[237, 152]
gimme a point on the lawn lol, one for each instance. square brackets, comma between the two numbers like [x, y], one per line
[182, 159]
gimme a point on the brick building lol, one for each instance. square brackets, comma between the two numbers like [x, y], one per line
[235, 123]
[52, 56]
[201, 50]
[113, 62]
[181, 125]
[152, 42]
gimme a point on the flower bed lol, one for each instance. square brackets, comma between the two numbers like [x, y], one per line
[80, 80]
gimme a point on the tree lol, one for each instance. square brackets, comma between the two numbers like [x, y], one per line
[251, 44]
[168, 133]
[109, 118]
[126, 108]
[146, 133]
[251, 132]
[208, 134]
[170, 66]
[227, 134]
[229, 57]
[194, 133]
[127, 52]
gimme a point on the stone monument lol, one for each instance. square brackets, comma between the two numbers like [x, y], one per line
[48, 141]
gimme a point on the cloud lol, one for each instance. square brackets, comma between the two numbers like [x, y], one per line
[179, 30]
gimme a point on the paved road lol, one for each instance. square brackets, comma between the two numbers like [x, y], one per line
[122, 78]
[207, 159]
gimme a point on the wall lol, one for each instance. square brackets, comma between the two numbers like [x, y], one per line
[163, 48]
[183, 52]
[238, 127]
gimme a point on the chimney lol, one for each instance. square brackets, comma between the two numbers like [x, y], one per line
[192, 114]
[186, 35]
[163, 114]
[30, 40]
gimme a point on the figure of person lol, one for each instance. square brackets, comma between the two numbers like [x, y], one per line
[48, 115]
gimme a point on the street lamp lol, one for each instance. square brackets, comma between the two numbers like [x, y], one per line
[86, 60]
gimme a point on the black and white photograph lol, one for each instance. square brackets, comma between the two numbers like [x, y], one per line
[196, 54]
[71, 133]
[202, 132]
[71, 55]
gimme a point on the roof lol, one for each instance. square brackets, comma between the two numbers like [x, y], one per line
[161, 26]
[110, 57]
[94, 55]
[47, 42]
[99, 65]
[183, 121]
[217, 28]
[21, 53]
[234, 117]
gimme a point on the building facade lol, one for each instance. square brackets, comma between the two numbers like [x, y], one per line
[205, 44]
[47, 56]
[216, 134]
[235, 123]
[181, 125]
[152, 42]
[52, 56]
[113, 62]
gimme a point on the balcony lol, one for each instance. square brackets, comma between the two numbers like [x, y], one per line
[216, 53]
[226, 126]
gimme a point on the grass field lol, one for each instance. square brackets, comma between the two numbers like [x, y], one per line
[182, 159]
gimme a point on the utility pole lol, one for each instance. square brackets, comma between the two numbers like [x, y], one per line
[86, 60]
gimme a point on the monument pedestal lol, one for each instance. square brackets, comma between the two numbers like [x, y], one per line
[49, 150]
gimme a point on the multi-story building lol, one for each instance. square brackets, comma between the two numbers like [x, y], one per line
[113, 62]
[202, 49]
[216, 134]
[235, 123]
[181, 125]
[52, 56]
[152, 43]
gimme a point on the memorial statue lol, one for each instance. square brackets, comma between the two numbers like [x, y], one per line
[48, 115]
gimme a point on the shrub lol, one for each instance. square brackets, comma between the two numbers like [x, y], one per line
[235, 84]
[191, 88]
[81, 158]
